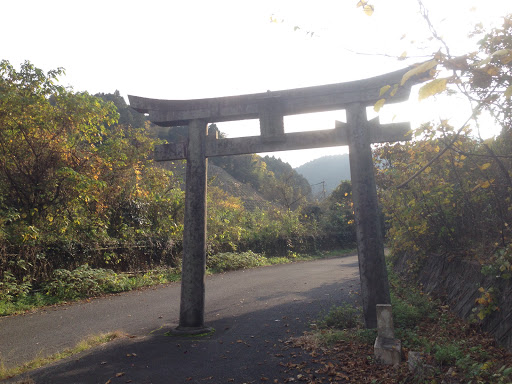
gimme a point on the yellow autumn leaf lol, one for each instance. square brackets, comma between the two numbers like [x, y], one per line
[501, 52]
[378, 105]
[508, 92]
[493, 71]
[483, 167]
[485, 184]
[482, 63]
[368, 9]
[506, 59]
[432, 88]
[384, 89]
[394, 90]
[361, 4]
[420, 69]
[403, 56]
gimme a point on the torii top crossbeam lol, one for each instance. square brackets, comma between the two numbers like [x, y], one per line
[321, 98]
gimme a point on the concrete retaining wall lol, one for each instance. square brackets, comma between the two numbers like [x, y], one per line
[457, 282]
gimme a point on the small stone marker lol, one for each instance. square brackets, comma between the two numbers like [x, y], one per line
[387, 349]
[417, 365]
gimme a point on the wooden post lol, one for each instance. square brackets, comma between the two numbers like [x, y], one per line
[194, 236]
[370, 244]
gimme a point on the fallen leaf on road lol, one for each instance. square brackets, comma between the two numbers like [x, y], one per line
[119, 374]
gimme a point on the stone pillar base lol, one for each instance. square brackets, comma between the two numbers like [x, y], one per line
[190, 331]
[388, 351]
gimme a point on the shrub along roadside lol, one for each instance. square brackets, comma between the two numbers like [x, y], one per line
[453, 350]
[84, 281]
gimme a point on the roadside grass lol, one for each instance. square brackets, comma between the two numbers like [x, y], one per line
[85, 282]
[90, 342]
[453, 351]
[82, 283]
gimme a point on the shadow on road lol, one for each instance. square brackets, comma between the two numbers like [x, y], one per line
[245, 348]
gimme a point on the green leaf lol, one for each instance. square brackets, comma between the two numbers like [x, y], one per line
[489, 141]
[432, 88]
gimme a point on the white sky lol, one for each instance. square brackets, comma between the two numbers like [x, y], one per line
[183, 49]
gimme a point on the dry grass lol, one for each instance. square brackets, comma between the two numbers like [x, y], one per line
[84, 345]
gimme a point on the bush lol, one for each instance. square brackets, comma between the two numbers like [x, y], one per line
[84, 281]
[11, 290]
[230, 261]
[344, 317]
[448, 354]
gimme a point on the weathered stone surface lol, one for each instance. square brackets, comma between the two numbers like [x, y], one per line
[385, 326]
[414, 361]
[370, 243]
[172, 113]
[416, 365]
[194, 234]
[388, 351]
[280, 141]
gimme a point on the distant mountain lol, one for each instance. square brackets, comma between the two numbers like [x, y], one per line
[330, 169]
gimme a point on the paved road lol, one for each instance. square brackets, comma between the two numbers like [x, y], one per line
[252, 311]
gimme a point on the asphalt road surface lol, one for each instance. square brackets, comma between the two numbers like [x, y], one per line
[253, 313]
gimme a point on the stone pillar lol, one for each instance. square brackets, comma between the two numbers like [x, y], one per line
[370, 242]
[194, 236]
[387, 349]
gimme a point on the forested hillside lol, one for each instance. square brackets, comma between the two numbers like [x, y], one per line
[329, 169]
[79, 190]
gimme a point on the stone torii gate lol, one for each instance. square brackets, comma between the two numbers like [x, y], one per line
[270, 107]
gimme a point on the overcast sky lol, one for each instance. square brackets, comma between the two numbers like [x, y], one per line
[183, 49]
